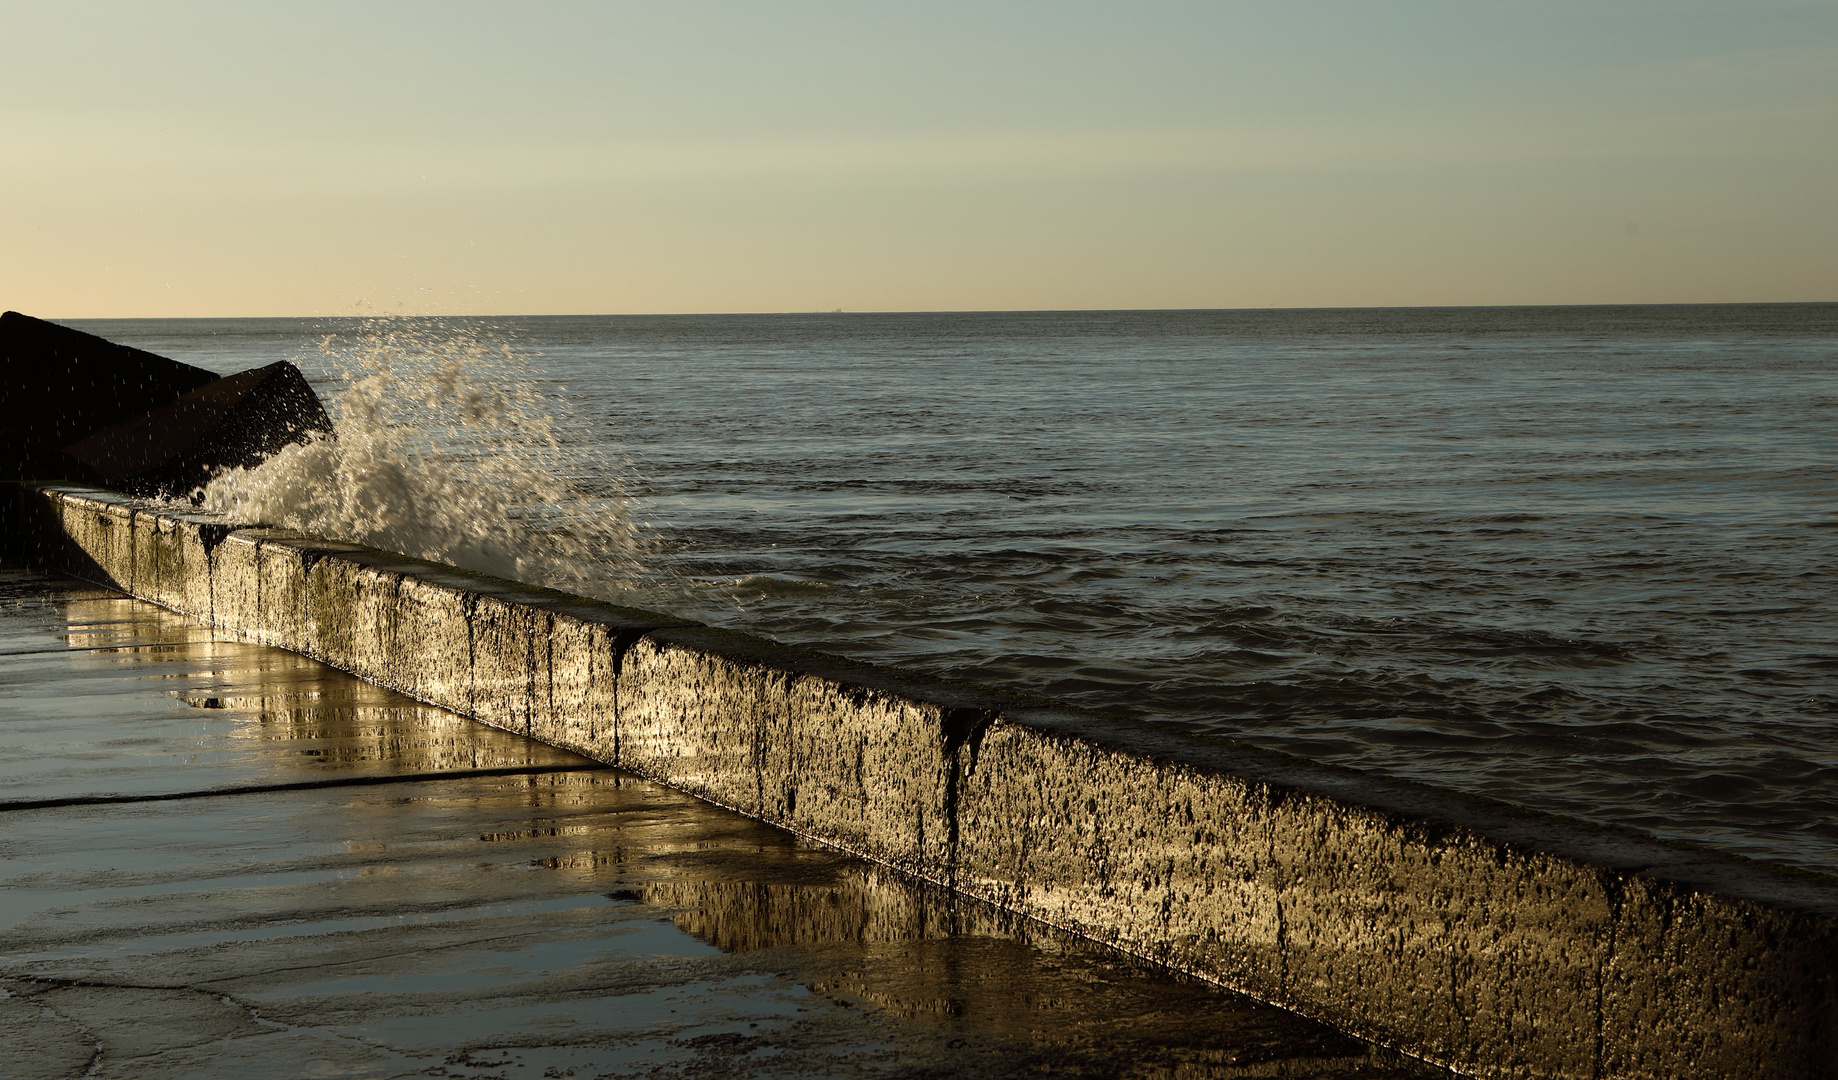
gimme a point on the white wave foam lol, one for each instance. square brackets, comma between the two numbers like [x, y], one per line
[447, 450]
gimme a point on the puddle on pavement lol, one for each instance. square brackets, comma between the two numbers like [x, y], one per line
[560, 924]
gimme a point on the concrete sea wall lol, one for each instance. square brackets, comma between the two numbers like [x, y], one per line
[1497, 941]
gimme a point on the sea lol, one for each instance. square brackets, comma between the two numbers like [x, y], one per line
[1581, 559]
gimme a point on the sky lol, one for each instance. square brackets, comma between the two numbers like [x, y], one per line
[319, 159]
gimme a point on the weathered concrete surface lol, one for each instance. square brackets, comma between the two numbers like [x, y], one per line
[582, 923]
[1494, 940]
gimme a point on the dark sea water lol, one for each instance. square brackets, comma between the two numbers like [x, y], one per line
[1581, 559]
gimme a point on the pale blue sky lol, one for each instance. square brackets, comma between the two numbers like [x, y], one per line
[229, 159]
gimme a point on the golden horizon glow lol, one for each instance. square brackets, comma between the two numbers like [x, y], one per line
[334, 160]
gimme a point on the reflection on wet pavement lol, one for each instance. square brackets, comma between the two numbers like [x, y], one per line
[560, 923]
[76, 665]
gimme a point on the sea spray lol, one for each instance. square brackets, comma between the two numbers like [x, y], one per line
[447, 449]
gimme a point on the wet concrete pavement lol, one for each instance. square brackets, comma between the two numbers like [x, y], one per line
[221, 859]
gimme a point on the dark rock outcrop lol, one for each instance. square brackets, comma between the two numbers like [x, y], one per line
[58, 385]
[234, 422]
[74, 406]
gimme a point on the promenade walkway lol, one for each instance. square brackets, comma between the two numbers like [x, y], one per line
[219, 859]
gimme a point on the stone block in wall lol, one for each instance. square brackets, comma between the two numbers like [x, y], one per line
[432, 638]
[372, 604]
[1155, 856]
[696, 717]
[855, 745]
[173, 559]
[1707, 980]
[583, 670]
[520, 657]
[331, 607]
[236, 584]
[587, 644]
[269, 569]
[1465, 943]
[855, 754]
[99, 532]
[510, 659]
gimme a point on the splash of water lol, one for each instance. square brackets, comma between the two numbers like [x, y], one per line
[447, 449]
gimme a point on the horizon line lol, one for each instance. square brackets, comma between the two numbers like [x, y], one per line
[955, 311]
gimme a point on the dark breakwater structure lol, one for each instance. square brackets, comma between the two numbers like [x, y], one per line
[1494, 940]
